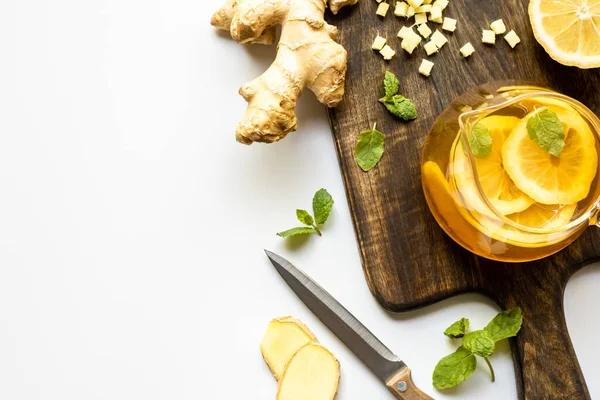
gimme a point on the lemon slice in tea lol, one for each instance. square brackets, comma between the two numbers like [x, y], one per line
[495, 182]
[545, 217]
[535, 216]
[569, 30]
[548, 179]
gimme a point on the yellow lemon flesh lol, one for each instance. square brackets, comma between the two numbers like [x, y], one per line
[536, 216]
[548, 179]
[495, 182]
[544, 217]
[569, 30]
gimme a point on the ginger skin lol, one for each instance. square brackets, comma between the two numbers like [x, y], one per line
[307, 56]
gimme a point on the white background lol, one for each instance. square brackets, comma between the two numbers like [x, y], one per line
[132, 224]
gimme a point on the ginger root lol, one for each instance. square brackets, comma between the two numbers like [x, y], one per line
[307, 56]
[313, 373]
[284, 337]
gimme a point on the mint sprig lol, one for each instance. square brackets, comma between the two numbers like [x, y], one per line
[369, 148]
[460, 365]
[395, 103]
[546, 129]
[322, 205]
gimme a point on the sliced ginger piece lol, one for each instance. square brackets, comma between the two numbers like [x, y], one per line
[313, 373]
[283, 338]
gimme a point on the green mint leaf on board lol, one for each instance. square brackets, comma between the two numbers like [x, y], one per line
[457, 329]
[302, 230]
[480, 141]
[305, 217]
[395, 103]
[454, 369]
[506, 324]
[369, 148]
[391, 84]
[322, 204]
[401, 107]
[547, 131]
[480, 343]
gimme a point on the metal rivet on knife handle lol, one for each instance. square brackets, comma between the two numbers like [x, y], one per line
[404, 388]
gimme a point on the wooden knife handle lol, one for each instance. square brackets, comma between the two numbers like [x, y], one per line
[404, 388]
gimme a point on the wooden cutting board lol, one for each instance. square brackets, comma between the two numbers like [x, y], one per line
[409, 262]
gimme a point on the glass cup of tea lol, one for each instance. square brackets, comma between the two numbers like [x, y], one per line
[511, 172]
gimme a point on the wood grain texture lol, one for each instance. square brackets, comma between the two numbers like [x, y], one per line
[408, 260]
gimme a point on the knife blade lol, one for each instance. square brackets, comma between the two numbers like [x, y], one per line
[375, 355]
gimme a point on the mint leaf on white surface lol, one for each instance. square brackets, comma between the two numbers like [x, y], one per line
[301, 230]
[457, 329]
[454, 369]
[322, 205]
[305, 217]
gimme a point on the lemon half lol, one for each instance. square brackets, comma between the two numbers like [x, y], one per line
[569, 30]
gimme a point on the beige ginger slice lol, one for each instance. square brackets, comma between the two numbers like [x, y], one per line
[283, 338]
[313, 373]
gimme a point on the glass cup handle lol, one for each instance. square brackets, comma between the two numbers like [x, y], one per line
[595, 220]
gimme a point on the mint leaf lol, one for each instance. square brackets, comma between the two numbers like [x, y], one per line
[401, 107]
[547, 131]
[302, 230]
[397, 104]
[454, 368]
[369, 148]
[322, 204]
[457, 329]
[480, 141]
[391, 84]
[480, 343]
[305, 217]
[506, 324]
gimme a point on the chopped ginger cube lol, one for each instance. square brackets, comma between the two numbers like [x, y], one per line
[441, 4]
[439, 39]
[430, 48]
[498, 27]
[379, 1]
[401, 9]
[512, 38]
[467, 50]
[424, 30]
[436, 14]
[410, 12]
[403, 31]
[411, 41]
[426, 67]
[427, 2]
[488, 37]
[387, 52]
[415, 3]
[449, 24]
[378, 43]
[423, 9]
[420, 19]
[383, 9]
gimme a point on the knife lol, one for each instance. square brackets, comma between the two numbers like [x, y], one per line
[386, 365]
